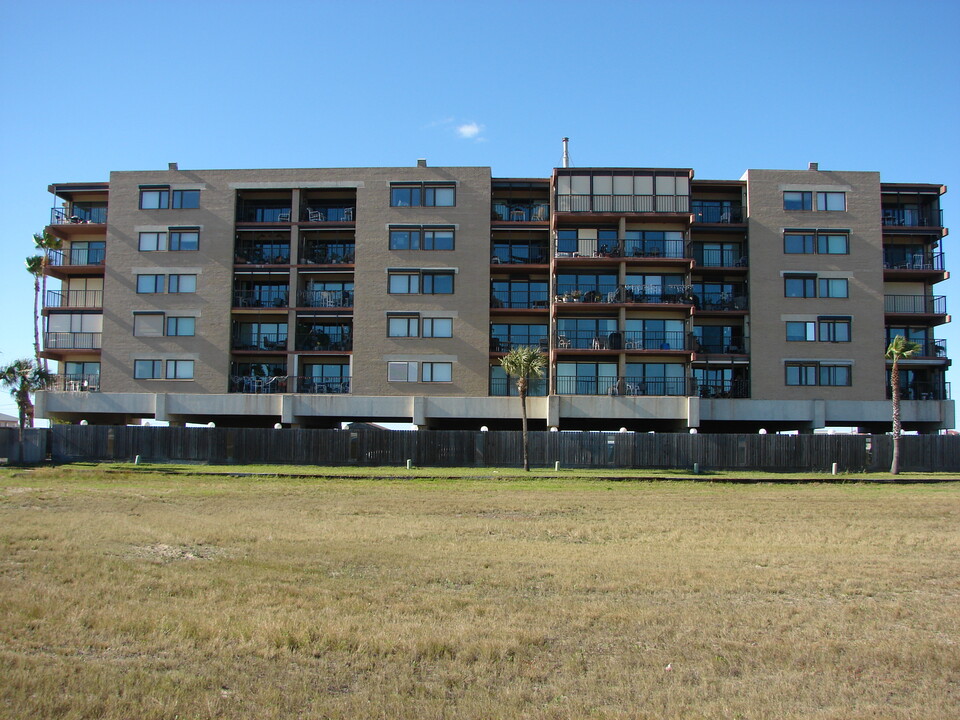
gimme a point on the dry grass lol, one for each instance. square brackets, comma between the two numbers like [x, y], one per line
[131, 595]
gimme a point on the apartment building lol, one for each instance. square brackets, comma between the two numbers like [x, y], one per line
[311, 297]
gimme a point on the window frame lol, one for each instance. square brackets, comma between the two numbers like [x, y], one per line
[818, 370]
[172, 369]
[824, 198]
[176, 321]
[809, 331]
[178, 279]
[177, 245]
[402, 371]
[809, 285]
[827, 326]
[429, 327]
[805, 200]
[159, 281]
[827, 283]
[156, 370]
[161, 242]
[177, 198]
[422, 194]
[411, 323]
[428, 371]
[163, 197]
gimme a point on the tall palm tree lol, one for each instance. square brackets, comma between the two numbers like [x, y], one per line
[23, 377]
[898, 349]
[523, 363]
[34, 265]
[46, 243]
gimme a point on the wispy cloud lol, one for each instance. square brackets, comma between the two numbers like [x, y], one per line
[469, 131]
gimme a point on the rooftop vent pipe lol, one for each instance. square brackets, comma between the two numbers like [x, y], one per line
[566, 153]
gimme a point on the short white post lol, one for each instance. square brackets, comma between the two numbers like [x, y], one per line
[696, 468]
[409, 464]
[833, 471]
[556, 466]
[136, 460]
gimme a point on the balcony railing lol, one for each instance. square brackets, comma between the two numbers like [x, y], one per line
[535, 299]
[77, 256]
[663, 340]
[503, 345]
[507, 387]
[325, 341]
[72, 340]
[922, 391]
[715, 214]
[263, 254]
[650, 386]
[78, 215]
[915, 304]
[719, 301]
[731, 346]
[260, 341]
[622, 248]
[928, 348]
[333, 385]
[328, 254]
[629, 340]
[327, 213]
[267, 213]
[648, 294]
[520, 255]
[74, 298]
[325, 298]
[932, 261]
[893, 217]
[719, 258]
[73, 383]
[266, 384]
[260, 298]
[520, 212]
[624, 203]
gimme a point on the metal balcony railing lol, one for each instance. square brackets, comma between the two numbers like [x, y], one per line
[715, 214]
[928, 348]
[74, 299]
[78, 215]
[507, 387]
[732, 346]
[719, 258]
[922, 391]
[520, 212]
[623, 247]
[259, 384]
[325, 298]
[72, 340]
[927, 217]
[719, 301]
[73, 383]
[77, 256]
[327, 213]
[260, 341]
[502, 344]
[915, 304]
[624, 203]
[250, 212]
[520, 255]
[328, 254]
[663, 340]
[931, 261]
[263, 254]
[261, 298]
[325, 341]
[334, 384]
[534, 299]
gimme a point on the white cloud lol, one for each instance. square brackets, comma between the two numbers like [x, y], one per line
[469, 131]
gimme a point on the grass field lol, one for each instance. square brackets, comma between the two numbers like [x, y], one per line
[132, 593]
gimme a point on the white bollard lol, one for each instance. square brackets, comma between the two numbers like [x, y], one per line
[409, 464]
[696, 468]
[136, 460]
[834, 469]
[556, 466]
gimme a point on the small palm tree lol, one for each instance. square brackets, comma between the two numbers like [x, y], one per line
[34, 265]
[23, 377]
[898, 349]
[523, 363]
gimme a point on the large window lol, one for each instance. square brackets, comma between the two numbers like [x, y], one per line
[179, 369]
[184, 239]
[407, 326]
[823, 243]
[421, 238]
[800, 286]
[154, 198]
[403, 283]
[186, 199]
[436, 371]
[405, 371]
[422, 195]
[833, 329]
[148, 324]
[182, 283]
[831, 201]
[818, 373]
[150, 283]
[797, 200]
[153, 241]
[438, 327]
[834, 288]
[801, 331]
[426, 282]
[147, 369]
[183, 326]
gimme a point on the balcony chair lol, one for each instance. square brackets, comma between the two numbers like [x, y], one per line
[283, 216]
[315, 215]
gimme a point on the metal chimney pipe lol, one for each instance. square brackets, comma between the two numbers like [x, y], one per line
[566, 153]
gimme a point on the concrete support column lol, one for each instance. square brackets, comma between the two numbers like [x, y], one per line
[160, 407]
[286, 408]
[553, 411]
[418, 412]
[819, 415]
[693, 412]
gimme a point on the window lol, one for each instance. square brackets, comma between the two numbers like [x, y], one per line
[800, 286]
[833, 244]
[831, 201]
[149, 283]
[154, 198]
[148, 324]
[181, 326]
[404, 283]
[153, 241]
[401, 371]
[186, 199]
[797, 200]
[816, 373]
[179, 369]
[183, 283]
[438, 327]
[823, 243]
[403, 327]
[437, 283]
[437, 371]
[795, 244]
[834, 288]
[422, 195]
[421, 238]
[832, 329]
[146, 369]
[184, 239]
[801, 331]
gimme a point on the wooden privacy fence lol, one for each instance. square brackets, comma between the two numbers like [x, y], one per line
[466, 448]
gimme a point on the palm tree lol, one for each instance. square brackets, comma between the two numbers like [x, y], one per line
[898, 349]
[523, 363]
[35, 267]
[47, 243]
[24, 377]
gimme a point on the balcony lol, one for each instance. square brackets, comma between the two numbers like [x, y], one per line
[641, 294]
[507, 387]
[520, 211]
[271, 342]
[262, 255]
[652, 249]
[79, 215]
[651, 386]
[928, 348]
[710, 258]
[506, 344]
[519, 255]
[327, 213]
[719, 301]
[911, 261]
[922, 391]
[519, 299]
[74, 299]
[262, 298]
[72, 340]
[629, 340]
[717, 214]
[263, 211]
[73, 383]
[77, 256]
[912, 217]
[258, 384]
[668, 204]
[328, 253]
[325, 298]
[729, 346]
[314, 385]
[915, 304]
[328, 340]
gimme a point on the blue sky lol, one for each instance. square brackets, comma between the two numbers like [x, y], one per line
[720, 87]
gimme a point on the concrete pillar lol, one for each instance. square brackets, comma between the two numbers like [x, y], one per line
[418, 412]
[553, 411]
[693, 411]
[160, 407]
[819, 418]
